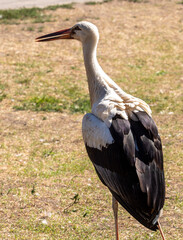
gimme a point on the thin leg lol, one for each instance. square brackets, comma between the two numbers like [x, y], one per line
[115, 211]
[161, 231]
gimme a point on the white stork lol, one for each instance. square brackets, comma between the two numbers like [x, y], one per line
[120, 136]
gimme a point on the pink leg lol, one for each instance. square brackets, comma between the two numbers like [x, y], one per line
[115, 211]
[161, 231]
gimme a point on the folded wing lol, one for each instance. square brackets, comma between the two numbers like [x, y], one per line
[129, 161]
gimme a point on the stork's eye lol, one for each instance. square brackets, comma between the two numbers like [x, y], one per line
[77, 28]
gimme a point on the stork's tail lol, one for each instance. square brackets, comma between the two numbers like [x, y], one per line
[161, 231]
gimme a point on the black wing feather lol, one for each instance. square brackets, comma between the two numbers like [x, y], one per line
[132, 167]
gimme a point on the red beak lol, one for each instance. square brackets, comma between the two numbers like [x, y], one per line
[62, 34]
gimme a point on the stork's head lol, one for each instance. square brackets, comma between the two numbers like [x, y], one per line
[82, 31]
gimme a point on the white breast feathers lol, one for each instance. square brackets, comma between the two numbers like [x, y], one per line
[95, 132]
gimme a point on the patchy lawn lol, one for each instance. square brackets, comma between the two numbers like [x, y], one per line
[48, 187]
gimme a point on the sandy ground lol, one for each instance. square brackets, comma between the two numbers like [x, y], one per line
[10, 4]
[43, 163]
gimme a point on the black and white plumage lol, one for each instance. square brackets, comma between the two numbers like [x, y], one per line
[120, 136]
[132, 167]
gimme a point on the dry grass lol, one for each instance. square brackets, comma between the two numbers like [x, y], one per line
[48, 187]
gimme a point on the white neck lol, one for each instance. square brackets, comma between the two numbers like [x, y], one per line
[99, 83]
[96, 83]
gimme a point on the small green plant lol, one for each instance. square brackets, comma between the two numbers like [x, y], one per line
[1, 189]
[23, 81]
[30, 29]
[48, 152]
[2, 94]
[76, 198]
[33, 190]
[161, 73]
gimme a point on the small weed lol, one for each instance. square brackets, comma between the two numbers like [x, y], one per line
[76, 198]
[9, 190]
[48, 152]
[23, 81]
[161, 73]
[30, 29]
[85, 214]
[33, 190]
[139, 64]
[1, 189]
[2, 94]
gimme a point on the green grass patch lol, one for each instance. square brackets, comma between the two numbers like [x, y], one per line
[55, 7]
[81, 105]
[106, 1]
[21, 13]
[74, 101]
[91, 3]
[43, 103]
[13, 16]
[136, 1]
[95, 3]
[38, 15]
